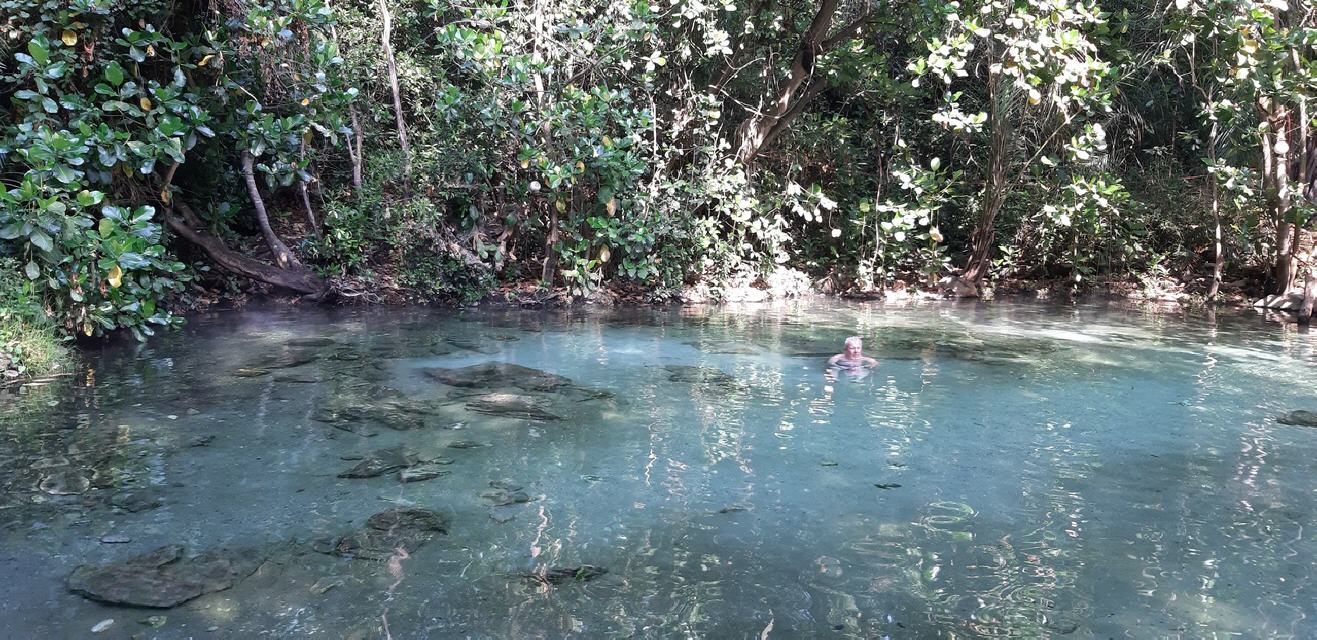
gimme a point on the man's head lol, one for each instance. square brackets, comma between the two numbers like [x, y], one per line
[853, 347]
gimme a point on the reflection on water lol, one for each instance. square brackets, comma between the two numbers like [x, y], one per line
[1007, 471]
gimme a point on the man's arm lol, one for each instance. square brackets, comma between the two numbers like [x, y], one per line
[832, 362]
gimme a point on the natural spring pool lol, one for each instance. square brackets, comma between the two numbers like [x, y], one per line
[1021, 470]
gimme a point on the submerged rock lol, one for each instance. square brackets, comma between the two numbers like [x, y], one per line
[507, 484]
[360, 371]
[135, 501]
[294, 377]
[250, 372]
[701, 375]
[50, 463]
[467, 444]
[64, 483]
[503, 497]
[387, 532]
[201, 441]
[566, 575]
[1299, 418]
[583, 394]
[355, 427]
[468, 345]
[162, 578]
[509, 405]
[395, 413]
[420, 472]
[499, 374]
[382, 461]
[310, 341]
[286, 360]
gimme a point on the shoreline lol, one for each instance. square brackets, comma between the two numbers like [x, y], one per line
[522, 297]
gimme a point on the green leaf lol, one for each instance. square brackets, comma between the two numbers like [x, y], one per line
[105, 227]
[38, 52]
[49, 105]
[130, 260]
[114, 73]
[39, 238]
[89, 198]
[32, 270]
[65, 174]
[12, 231]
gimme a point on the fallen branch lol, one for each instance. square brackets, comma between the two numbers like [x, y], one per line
[189, 226]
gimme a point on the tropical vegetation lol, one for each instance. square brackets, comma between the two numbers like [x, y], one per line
[152, 153]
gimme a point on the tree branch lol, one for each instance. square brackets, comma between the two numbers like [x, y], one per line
[759, 130]
[282, 256]
[299, 279]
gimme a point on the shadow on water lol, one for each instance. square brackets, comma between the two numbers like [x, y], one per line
[1006, 471]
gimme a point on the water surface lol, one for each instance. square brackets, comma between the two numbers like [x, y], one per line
[1007, 470]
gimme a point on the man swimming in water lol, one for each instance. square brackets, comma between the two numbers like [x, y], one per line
[851, 358]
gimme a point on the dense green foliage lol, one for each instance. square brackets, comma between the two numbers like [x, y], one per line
[645, 145]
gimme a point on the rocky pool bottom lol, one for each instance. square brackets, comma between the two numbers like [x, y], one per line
[1006, 471]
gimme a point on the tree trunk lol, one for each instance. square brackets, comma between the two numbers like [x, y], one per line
[759, 130]
[391, 65]
[1218, 255]
[994, 187]
[550, 260]
[353, 154]
[357, 158]
[282, 256]
[1309, 296]
[1301, 181]
[1275, 181]
[297, 279]
[310, 213]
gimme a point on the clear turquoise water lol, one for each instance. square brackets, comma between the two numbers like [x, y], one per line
[1049, 471]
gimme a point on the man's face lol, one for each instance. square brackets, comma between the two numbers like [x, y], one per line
[852, 350]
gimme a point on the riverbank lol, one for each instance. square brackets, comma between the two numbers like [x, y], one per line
[30, 344]
[31, 349]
